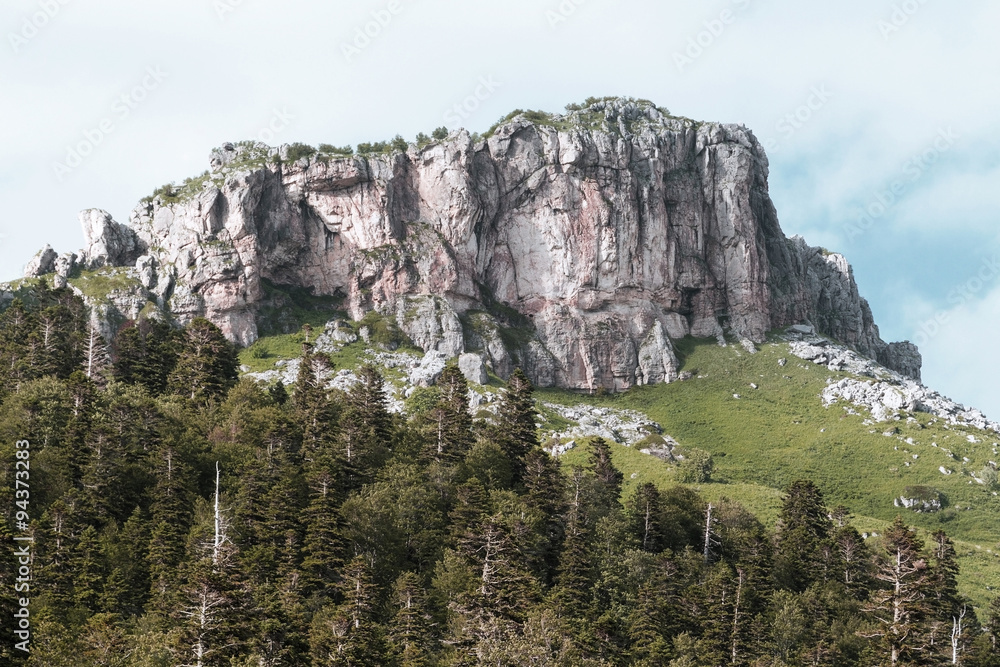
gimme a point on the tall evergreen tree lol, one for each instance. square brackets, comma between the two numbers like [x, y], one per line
[608, 477]
[366, 429]
[348, 634]
[450, 417]
[207, 366]
[900, 608]
[516, 429]
[313, 410]
[645, 515]
[803, 549]
[410, 632]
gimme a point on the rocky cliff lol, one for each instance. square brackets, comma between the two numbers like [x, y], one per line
[575, 246]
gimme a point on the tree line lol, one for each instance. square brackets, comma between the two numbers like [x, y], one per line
[182, 516]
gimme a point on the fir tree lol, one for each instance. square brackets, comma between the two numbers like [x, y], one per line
[608, 477]
[366, 426]
[207, 366]
[900, 608]
[348, 634]
[313, 410]
[324, 548]
[644, 513]
[450, 417]
[802, 549]
[516, 418]
[410, 631]
[86, 565]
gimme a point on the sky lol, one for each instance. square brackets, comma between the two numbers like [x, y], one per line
[879, 116]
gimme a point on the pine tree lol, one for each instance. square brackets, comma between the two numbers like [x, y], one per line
[170, 519]
[516, 429]
[212, 608]
[313, 409]
[574, 579]
[126, 588]
[545, 492]
[366, 429]
[450, 417]
[207, 366]
[900, 608]
[16, 325]
[86, 564]
[348, 634]
[949, 617]
[410, 631]
[55, 537]
[145, 353]
[645, 514]
[278, 393]
[324, 548]
[649, 625]
[803, 546]
[609, 478]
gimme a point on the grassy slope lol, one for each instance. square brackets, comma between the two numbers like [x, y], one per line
[781, 432]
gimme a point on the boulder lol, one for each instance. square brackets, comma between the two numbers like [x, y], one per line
[473, 367]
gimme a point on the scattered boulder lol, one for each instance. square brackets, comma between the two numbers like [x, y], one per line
[429, 369]
[336, 334]
[473, 367]
[920, 499]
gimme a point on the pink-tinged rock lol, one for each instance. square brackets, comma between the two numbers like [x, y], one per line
[577, 254]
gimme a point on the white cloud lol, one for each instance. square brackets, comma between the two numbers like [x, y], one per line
[959, 359]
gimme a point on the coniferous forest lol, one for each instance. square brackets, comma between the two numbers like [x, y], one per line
[181, 516]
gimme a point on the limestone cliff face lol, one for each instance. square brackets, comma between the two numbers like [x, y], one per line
[574, 246]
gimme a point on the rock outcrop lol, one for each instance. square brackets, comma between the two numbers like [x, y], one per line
[886, 393]
[42, 263]
[576, 247]
[106, 242]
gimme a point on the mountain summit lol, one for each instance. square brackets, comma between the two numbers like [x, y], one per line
[575, 246]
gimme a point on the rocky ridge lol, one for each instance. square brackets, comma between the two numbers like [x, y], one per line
[576, 247]
[886, 393]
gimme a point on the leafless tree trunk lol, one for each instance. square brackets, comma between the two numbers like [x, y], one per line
[708, 533]
[736, 614]
[956, 634]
